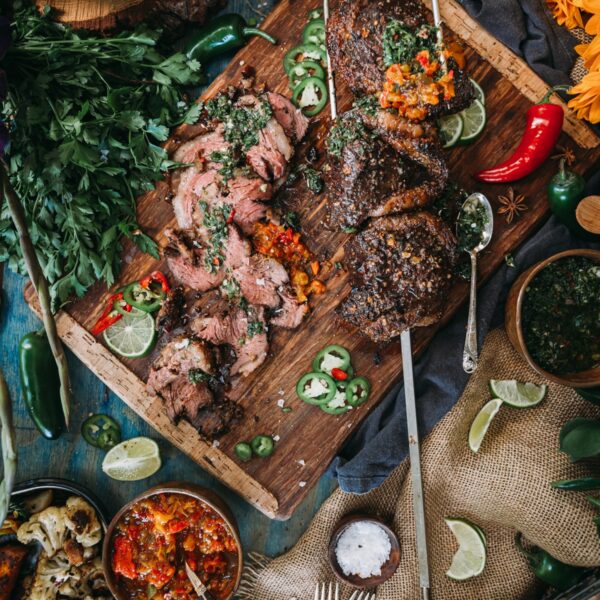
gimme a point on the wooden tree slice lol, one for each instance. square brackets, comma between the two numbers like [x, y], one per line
[588, 214]
[104, 15]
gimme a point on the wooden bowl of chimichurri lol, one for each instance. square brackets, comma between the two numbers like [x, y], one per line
[553, 317]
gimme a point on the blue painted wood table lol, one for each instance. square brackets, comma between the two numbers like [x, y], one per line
[71, 458]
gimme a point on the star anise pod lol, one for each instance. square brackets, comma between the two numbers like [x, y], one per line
[512, 205]
[565, 152]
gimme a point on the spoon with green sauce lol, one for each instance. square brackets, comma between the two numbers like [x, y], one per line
[474, 228]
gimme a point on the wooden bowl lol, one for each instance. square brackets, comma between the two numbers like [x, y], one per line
[387, 570]
[514, 322]
[206, 496]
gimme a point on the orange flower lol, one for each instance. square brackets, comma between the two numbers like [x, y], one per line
[566, 13]
[592, 26]
[590, 53]
[586, 103]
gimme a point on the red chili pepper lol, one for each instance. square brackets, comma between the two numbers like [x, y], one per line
[156, 277]
[176, 526]
[286, 237]
[544, 126]
[109, 317]
[338, 374]
[123, 558]
[230, 217]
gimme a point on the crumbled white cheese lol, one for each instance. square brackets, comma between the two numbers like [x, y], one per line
[261, 281]
[216, 443]
[317, 388]
[276, 438]
[338, 400]
[281, 392]
[302, 484]
[363, 549]
[182, 344]
[281, 402]
[302, 462]
[263, 188]
[330, 362]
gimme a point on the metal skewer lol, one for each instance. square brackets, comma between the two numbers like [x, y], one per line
[415, 462]
[330, 75]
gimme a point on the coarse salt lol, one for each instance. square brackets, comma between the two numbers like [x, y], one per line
[281, 402]
[363, 549]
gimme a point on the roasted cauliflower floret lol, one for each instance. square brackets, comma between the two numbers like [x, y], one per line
[81, 519]
[47, 527]
[50, 574]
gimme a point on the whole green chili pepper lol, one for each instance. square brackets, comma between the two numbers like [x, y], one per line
[549, 569]
[564, 194]
[41, 384]
[577, 485]
[223, 34]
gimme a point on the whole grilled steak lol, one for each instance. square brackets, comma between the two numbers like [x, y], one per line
[402, 270]
[355, 42]
[380, 168]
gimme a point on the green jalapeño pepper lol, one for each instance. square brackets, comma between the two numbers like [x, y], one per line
[358, 391]
[243, 451]
[41, 384]
[101, 431]
[550, 570]
[316, 388]
[263, 445]
[564, 194]
[310, 95]
[223, 34]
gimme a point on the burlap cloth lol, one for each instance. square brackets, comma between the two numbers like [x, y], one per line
[503, 488]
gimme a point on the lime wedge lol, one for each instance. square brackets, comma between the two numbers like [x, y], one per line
[473, 121]
[132, 460]
[133, 336]
[481, 423]
[519, 395]
[469, 559]
[479, 95]
[451, 128]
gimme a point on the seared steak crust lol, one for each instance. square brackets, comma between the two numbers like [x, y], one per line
[402, 269]
[354, 40]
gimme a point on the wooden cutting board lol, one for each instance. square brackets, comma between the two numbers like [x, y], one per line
[309, 439]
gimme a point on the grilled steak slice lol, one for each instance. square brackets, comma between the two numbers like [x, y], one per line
[244, 330]
[293, 121]
[377, 171]
[193, 263]
[261, 280]
[290, 314]
[180, 376]
[171, 313]
[355, 43]
[402, 269]
[202, 146]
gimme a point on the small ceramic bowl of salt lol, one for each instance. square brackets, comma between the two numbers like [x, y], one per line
[363, 552]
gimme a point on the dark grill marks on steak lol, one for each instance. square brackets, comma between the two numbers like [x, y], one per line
[244, 330]
[187, 397]
[383, 171]
[354, 40]
[171, 313]
[402, 270]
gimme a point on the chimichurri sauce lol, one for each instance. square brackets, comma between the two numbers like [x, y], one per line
[471, 225]
[561, 316]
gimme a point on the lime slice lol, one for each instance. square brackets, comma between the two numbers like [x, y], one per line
[519, 395]
[481, 423]
[473, 121]
[451, 128]
[479, 95]
[469, 559]
[132, 460]
[132, 336]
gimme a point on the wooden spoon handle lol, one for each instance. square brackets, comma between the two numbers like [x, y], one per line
[588, 214]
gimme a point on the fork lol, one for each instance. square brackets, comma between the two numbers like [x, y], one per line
[362, 596]
[334, 593]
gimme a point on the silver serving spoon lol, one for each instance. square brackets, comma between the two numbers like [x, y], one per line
[470, 353]
[199, 587]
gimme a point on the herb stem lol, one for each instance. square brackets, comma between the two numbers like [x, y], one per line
[9, 449]
[40, 285]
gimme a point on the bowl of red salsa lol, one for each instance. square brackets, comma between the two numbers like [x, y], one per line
[150, 540]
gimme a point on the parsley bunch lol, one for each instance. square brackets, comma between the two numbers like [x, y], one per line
[87, 116]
